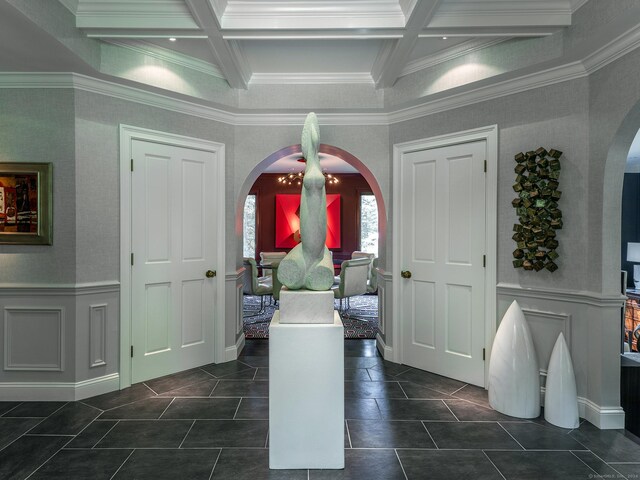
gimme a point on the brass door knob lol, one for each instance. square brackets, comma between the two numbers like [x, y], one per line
[210, 273]
[405, 274]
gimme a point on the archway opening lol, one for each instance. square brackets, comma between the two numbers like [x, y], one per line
[355, 191]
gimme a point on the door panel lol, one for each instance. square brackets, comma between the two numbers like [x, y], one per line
[174, 243]
[443, 213]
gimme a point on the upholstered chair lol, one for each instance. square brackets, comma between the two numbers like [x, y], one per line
[372, 277]
[353, 281]
[254, 285]
[270, 257]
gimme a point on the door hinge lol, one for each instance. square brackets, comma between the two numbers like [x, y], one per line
[484, 261]
[132, 165]
[132, 352]
[485, 166]
[132, 259]
[484, 352]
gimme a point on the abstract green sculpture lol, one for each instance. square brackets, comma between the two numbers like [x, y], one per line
[537, 208]
[309, 264]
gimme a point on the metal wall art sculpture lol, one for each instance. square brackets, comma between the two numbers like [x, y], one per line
[537, 208]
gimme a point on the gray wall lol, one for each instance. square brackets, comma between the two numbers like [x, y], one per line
[97, 120]
[551, 117]
[38, 126]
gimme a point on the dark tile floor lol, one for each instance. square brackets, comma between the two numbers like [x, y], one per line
[212, 423]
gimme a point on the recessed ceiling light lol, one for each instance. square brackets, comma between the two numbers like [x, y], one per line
[444, 38]
[172, 39]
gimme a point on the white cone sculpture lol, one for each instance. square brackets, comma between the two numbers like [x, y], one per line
[561, 395]
[514, 376]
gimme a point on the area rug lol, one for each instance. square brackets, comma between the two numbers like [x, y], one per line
[361, 320]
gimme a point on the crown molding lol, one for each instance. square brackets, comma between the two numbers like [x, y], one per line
[612, 51]
[170, 56]
[449, 54]
[310, 78]
[471, 94]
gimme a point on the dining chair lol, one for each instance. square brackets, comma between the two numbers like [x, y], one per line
[252, 284]
[372, 276]
[353, 281]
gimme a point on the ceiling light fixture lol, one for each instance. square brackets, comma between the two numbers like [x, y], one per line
[444, 38]
[172, 39]
[296, 179]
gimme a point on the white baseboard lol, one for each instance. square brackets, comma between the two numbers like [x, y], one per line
[59, 391]
[383, 348]
[604, 418]
[232, 352]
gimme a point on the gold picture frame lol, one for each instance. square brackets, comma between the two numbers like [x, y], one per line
[26, 204]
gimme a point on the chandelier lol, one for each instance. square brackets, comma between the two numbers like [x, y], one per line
[296, 179]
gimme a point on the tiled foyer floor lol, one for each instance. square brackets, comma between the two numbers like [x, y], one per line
[212, 422]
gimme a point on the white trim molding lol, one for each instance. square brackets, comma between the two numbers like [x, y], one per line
[602, 417]
[310, 78]
[58, 391]
[559, 295]
[12, 320]
[44, 290]
[385, 350]
[232, 352]
[98, 335]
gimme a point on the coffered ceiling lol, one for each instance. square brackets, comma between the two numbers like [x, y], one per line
[317, 41]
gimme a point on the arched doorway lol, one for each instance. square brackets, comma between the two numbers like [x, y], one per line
[612, 248]
[367, 185]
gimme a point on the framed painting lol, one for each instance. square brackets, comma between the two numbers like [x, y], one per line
[288, 220]
[26, 204]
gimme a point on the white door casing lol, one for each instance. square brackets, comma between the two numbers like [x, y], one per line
[444, 223]
[172, 218]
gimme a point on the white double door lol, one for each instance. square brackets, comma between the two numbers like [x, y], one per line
[173, 246]
[442, 245]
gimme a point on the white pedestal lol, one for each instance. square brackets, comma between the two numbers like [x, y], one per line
[306, 394]
[306, 306]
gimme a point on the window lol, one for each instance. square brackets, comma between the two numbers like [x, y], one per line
[249, 227]
[368, 223]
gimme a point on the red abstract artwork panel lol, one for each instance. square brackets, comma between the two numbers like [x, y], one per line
[288, 220]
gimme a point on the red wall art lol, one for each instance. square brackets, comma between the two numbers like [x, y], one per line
[288, 220]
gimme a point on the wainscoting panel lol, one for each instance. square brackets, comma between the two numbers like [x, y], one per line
[59, 342]
[97, 335]
[385, 303]
[234, 341]
[545, 328]
[34, 339]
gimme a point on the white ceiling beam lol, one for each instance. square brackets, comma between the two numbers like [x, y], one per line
[142, 33]
[229, 58]
[389, 66]
[489, 32]
[313, 14]
[313, 34]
